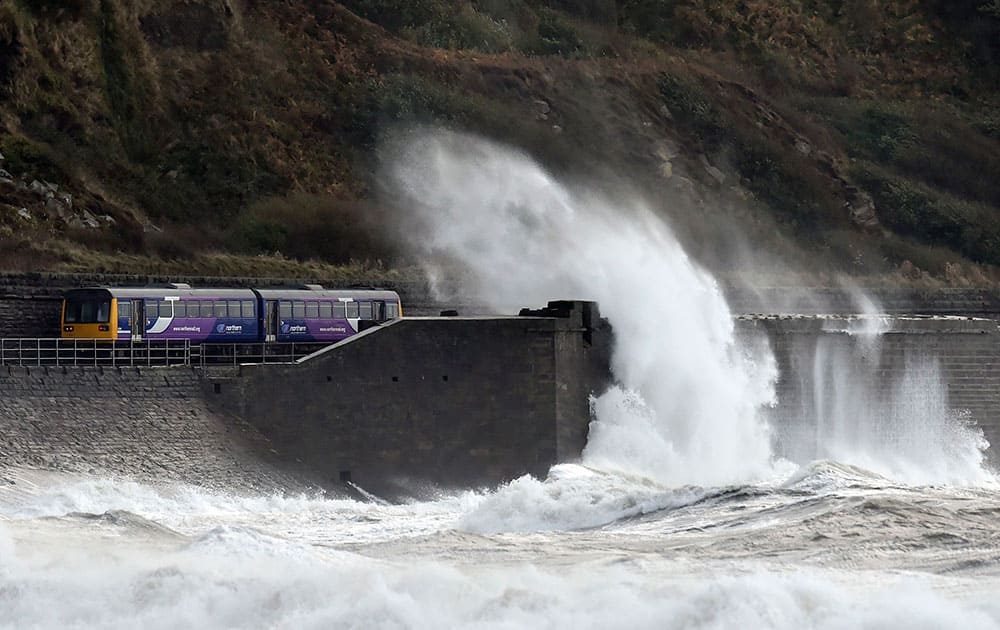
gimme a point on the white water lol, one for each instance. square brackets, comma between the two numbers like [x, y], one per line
[801, 556]
[679, 516]
[688, 409]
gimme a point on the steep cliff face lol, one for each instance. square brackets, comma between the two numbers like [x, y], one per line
[157, 132]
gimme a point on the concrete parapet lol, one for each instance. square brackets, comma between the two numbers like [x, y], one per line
[450, 401]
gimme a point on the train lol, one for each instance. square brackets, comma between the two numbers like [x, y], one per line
[309, 313]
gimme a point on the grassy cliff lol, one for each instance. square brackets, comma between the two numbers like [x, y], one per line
[216, 136]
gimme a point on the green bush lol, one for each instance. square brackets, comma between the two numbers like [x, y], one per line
[196, 180]
[395, 15]
[25, 157]
[912, 209]
[57, 8]
[794, 190]
[655, 20]
[554, 37]
[306, 226]
[688, 103]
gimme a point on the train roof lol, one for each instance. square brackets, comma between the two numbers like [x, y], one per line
[305, 294]
[267, 294]
[155, 292]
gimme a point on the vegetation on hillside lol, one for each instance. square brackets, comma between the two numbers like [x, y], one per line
[180, 132]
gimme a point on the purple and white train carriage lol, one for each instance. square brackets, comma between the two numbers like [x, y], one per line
[310, 314]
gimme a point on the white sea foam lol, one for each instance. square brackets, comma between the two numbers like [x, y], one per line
[687, 408]
[572, 497]
[189, 509]
[177, 589]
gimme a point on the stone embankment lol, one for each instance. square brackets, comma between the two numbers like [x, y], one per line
[142, 423]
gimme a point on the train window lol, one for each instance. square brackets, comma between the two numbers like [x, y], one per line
[312, 310]
[247, 309]
[339, 310]
[165, 309]
[352, 310]
[365, 309]
[325, 310]
[87, 312]
[298, 309]
[180, 309]
[220, 309]
[205, 308]
[234, 308]
[391, 310]
[285, 309]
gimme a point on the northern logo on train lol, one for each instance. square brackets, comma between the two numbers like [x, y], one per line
[229, 328]
[220, 328]
[285, 328]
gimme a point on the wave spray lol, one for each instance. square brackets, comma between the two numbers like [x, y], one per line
[687, 410]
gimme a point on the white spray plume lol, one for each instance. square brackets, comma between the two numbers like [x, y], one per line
[687, 411]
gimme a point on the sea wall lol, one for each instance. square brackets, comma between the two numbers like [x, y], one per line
[143, 423]
[845, 385]
[448, 401]
[440, 401]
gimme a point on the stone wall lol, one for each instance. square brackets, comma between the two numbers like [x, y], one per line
[28, 311]
[452, 401]
[149, 424]
[838, 384]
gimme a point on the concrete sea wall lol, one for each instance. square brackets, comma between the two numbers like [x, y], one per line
[442, 401]
[142, 423]
[447, 401]
[839, 384]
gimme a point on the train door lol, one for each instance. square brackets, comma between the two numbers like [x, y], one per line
[271, 320]
[137, 320]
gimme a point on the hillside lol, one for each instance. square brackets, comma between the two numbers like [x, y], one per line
[240, 136]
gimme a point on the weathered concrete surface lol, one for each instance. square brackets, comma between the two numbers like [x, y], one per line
[149, 424]
[450, 401]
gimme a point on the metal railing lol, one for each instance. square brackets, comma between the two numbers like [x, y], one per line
[32, 352]
[238, 353]
[94, 352]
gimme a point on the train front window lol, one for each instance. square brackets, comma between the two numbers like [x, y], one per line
[88, 312]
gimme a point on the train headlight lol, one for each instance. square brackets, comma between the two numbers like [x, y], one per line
[103, 328]
[67, 328]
